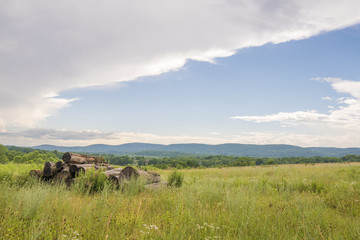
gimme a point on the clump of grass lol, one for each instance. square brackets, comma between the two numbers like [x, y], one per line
[91, 182]
[354, 173]
[132, 187]
[175, 179]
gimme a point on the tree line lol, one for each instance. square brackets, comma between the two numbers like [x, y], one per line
[28, 155]
[219, 161]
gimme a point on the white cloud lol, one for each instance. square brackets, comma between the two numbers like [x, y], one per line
[215, 133]
[330, 139]
[346, 116]
[344, 86]
[286, 117]
[27, 112]
[327, 98]
[47, 47]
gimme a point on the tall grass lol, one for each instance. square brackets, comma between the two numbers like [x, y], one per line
[91, 182]
[279, 202]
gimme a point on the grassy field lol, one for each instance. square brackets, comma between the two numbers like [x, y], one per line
[279, 202]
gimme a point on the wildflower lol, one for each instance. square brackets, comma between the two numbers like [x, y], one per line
[141, 231]
[154, 227]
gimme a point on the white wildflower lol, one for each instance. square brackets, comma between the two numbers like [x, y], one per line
[154, 227]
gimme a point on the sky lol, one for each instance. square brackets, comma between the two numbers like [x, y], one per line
[212, 71]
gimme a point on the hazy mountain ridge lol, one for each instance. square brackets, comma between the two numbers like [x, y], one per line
[231, 149]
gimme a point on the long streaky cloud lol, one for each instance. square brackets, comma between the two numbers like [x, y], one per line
[345, 116]
[47, 47]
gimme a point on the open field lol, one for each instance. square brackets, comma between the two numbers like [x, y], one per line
[278, 202]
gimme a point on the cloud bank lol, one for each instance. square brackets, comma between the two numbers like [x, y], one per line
[48, 47]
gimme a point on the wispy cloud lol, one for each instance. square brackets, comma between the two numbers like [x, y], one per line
[345, 115]
[329, 139]
[292, 118]
[47, 47]
[327, 98]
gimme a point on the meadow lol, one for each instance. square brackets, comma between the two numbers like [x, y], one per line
[319, 201]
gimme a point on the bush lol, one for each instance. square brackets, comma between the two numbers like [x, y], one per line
[175, 179]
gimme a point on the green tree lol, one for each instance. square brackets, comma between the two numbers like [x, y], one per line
[270, 162]
[18, 159]
[3, 156]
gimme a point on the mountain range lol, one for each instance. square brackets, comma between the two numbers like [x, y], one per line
[231, 149]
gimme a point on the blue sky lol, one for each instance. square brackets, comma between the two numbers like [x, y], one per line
[200, 98]
[280, 87]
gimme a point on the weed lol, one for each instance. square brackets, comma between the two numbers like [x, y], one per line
[175, 179]
[91, 182]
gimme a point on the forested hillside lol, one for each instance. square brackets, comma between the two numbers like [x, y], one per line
[248, 150]
[27, 155]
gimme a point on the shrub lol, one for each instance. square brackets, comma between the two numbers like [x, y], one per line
[175, 179]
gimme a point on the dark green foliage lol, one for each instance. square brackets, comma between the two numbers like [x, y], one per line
[162, 154]
[175, 179]
[351, 158]
[270, 162]
[27, 155]
[3, 156]
[218, 161]
[120, 160]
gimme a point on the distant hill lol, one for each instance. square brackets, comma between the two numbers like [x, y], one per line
[231, 149]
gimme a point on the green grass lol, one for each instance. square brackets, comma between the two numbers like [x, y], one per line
[279, 202]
